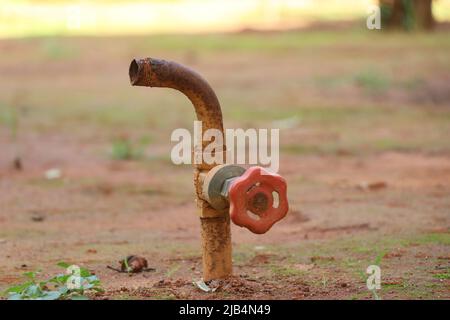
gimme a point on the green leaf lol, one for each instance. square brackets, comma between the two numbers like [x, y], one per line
[15, 296]
[63, 264]
[38, 290]
[60, 279]
[63, 290]
[85, 273]
[92, 278]
[88, 286]
[50, 295]
[33, 291]
[30, 275]
[127, 268]
[19, 288]
[43, 283]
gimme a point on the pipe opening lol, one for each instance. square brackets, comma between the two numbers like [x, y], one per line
[133, 72]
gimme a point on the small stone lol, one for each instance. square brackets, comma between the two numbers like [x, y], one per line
[37, 217]
[53, 174]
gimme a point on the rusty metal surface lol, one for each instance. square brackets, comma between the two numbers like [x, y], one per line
[216, 235]
[216, 247]
[161, 73]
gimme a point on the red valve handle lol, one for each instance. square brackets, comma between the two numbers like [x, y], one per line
[253, 191]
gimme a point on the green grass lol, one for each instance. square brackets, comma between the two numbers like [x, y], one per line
[433, 238]
[351, 256]
[125, 149]
[286, 271]
[89, 101]
[372, 80]
[442, 276]
[9, 119]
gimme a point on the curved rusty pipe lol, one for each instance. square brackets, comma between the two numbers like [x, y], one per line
[160, 73]
[216, 236]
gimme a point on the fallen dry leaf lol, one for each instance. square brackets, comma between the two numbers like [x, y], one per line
[134, 264]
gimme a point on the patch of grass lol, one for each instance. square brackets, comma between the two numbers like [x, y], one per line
[363, 248]
[359, 296]
[351, 264]
[243, 255]
[372, 80]
[324, 281]
[389, 286]
[379, 257]
[292, 41]
[408, 289]
[286, 270]
[389, 144]
[125, 149]
[248, 42]
[434, 238]
[442, 276]
[9, 118]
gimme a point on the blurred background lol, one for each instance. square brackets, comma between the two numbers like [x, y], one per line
[364, 118]
[112, 17]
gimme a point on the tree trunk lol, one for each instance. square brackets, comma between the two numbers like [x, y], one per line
[407, 14]
[424, 14]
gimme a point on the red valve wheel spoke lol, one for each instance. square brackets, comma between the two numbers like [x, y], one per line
[253, 191]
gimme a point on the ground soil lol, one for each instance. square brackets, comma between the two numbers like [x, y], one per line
[372, 185]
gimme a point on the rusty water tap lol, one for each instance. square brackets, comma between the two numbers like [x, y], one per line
[253, 198]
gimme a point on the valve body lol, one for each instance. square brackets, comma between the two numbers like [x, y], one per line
[255, 198]
[221, 190]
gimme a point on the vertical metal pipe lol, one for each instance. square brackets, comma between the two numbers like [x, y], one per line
[216, 245]
[215, 225]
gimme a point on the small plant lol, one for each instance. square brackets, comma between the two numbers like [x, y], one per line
[442, 276]
[125, 149]
[372, 80]
[10, 118]
[72, 285]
